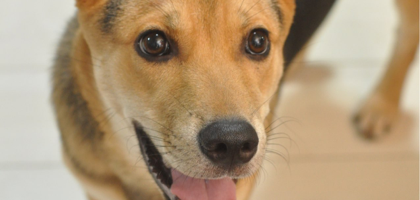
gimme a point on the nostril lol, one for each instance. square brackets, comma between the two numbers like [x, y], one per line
[218, 151]
[246, 147]
[249, 146]
[221, 148]
[247, 151]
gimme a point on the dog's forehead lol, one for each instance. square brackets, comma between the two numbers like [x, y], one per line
[175, 13]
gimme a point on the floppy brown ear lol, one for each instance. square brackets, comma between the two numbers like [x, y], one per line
[87, 4]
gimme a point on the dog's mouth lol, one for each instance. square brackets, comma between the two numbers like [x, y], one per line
[154, 162]
[174, 184]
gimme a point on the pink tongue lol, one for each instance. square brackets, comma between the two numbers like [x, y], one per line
[187, 188]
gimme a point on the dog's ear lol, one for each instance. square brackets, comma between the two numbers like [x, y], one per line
[88, 4]
[288, 9]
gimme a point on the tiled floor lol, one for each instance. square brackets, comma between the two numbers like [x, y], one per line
[326, 161]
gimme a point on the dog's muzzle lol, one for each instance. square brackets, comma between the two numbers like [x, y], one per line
[228, 144]
[161, 174]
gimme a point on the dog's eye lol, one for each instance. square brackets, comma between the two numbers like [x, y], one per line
[152, 45]
[257, 42]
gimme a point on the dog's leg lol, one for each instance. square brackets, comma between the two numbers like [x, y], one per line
[381, 108]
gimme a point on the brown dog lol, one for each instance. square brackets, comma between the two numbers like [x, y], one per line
[187, 83]
[167, 99]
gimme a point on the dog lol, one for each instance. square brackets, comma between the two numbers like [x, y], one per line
[169, 99]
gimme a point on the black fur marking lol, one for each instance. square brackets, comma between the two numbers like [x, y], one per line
[309, 16]
[67, 94]
[276, 7]
[68, 91]
[111, 12]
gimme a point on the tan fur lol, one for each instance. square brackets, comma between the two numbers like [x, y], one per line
[380, 110]
[210, 79]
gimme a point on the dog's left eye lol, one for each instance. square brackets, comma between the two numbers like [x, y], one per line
[257, 42]
[153, 45]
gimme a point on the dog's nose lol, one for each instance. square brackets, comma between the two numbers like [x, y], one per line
[228, 143]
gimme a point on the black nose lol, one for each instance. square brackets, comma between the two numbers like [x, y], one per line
[228, 142]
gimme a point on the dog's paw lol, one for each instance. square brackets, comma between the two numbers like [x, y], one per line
[376, 117]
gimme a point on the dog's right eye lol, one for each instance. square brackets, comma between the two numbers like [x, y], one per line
[257, 45]
[153, 46]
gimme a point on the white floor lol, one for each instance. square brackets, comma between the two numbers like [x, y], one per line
[326, 161]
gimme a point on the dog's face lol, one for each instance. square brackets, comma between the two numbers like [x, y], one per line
[194, 77]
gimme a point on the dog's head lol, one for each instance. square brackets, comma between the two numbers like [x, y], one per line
[194, 77]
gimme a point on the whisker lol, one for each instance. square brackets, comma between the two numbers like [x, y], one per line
[277, 153]
[281, 118]
[248, 18]
[173, 5]
[239, 9]
[252, 7]
[142, 116]
[282, 156]
[267, 100]
[269, 161]
[260, 175]
[107, 119]
[283, 147]
[291, 141]
[158, 7]
[185, 108]
[283, 122]
[102, 113]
